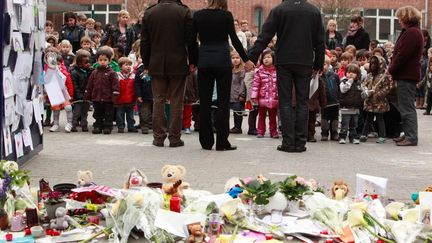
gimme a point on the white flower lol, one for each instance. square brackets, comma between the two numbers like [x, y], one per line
[393, 209]
[10, 166]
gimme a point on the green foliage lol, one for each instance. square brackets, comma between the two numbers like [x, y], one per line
[293, 190]
[260, 192]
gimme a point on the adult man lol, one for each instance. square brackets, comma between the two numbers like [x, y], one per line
[166, 40]
[299, 50]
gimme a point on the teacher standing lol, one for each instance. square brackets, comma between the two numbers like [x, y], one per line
[405, 69]
[299, 51]
[213, 25]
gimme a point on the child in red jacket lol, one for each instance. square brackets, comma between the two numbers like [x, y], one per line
[59, 87]
[126, 100]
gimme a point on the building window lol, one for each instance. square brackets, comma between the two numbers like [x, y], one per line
[104, 13]
[381, 24]
[258, 17]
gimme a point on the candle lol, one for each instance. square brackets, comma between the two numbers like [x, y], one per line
[175, 204]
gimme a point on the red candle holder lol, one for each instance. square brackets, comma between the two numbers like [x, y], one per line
[9, 237]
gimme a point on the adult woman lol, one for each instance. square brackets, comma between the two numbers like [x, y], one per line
[357, 36]
[333, 38]
[405, 70]
[121, 35]
[213, 25]
[421, 93]
[71, 32]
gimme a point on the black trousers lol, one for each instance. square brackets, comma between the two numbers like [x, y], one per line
[206, 79]
[294, 120]
[103, 115]
[80, 111]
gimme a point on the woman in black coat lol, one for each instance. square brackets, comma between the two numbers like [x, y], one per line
[357, 35]
[121, 34]
[213, 25]
[333, 38]
[71, 31]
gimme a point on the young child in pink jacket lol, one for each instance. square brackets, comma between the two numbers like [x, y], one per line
[265, 94]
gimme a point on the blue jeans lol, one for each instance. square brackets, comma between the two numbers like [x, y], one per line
[122, 111]
[349, 123]
[406, 91]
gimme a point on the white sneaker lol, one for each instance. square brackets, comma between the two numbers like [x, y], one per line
[342, 141]
[188, 131]
[68, 127]
[54, 128]
[356, 141]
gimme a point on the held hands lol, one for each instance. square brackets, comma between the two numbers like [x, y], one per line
[254, 100]
[140, 100]
[192, 68]
[241, 98]
[249, 66]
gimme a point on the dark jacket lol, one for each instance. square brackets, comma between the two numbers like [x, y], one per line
[332, 44]
[103, 85]
[191, 89]
[80, 79]
[352, 98]
[319, 98]
[115, 34]
[360, 40]
[405, 64]
[166, 39]
[73, 35]
[299, 28]
[143, 87]
[68, 60]
[332, 88]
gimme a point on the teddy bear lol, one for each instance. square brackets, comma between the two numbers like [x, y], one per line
[340, 190]
[136, 178]
[61, 222]
[196, 234]
[85, 178]
[172, 176]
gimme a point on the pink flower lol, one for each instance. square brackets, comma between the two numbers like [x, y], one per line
[312, 184]
[301, 181]
[247, 180]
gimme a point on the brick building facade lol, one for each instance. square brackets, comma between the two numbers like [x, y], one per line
[380, 20]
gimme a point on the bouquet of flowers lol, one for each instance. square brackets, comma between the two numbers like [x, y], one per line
[11, 179]
[294, 188]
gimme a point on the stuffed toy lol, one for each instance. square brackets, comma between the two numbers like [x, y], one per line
[339, 190]
[136, 179]
[61, 222]
[196, 234]
[85, 178]
[172, 176]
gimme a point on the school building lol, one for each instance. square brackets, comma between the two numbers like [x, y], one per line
[380, 20]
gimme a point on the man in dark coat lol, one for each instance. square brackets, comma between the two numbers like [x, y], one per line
[166, 41]
[299, 51]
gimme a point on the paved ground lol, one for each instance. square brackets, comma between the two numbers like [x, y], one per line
[111, 157]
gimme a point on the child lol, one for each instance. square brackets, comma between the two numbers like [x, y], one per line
[426, 83]
[80, 74]
[330, 114]
[238, 92]
[96, 37]
[345, 59]
[112, 63]
[264, 93]
[52, 41]
[317, 101]
[351, 49]
[190, 97]
[334, 61]
[118, 52]
[89, 26]
[126, 100]
[362, 58]
[376, 88]
[85, 44]
[133, 55]
[56, 72]
[143, 92]
[102, 89]
[66, 53]
[351, 103]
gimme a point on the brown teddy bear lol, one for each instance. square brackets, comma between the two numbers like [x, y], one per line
[196, 234]
[172, 176]
[85, 178]
[340, 190]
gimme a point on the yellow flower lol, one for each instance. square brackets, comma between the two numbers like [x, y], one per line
[393, 209]
[411, 215]
[360, 206]
[355, 218]
[138, 200]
